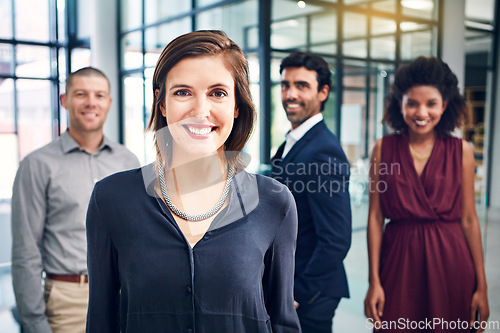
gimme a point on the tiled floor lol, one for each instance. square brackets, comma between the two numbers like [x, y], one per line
[349, 317]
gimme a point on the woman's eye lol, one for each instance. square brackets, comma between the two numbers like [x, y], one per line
[181, 93]
[219, 93]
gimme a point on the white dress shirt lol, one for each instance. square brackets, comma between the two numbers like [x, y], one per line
[296, 134]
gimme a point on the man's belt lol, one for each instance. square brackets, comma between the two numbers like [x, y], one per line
[83, 278]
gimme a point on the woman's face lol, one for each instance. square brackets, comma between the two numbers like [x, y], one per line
[422, 108]
[199, 105]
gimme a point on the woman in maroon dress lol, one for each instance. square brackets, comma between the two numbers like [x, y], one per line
[426, 269]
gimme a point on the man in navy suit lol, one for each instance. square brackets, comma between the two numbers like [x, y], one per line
[313, 165]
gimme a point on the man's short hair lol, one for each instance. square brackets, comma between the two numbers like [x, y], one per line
[85, 71]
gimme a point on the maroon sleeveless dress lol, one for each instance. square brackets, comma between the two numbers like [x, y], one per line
[426, 268]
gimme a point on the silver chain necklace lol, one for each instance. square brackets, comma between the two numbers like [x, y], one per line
[199, 217]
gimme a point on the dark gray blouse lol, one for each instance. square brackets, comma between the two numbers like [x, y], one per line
[145, 277]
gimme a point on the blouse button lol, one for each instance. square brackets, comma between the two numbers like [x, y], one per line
[189, 330]
[189, 290]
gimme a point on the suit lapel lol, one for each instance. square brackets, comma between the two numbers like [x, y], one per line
[279, 152]
[299, 145]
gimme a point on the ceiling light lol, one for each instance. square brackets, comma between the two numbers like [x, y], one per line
[418, 4]
[301, 4]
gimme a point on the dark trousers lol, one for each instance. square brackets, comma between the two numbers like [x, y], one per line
[317, 317]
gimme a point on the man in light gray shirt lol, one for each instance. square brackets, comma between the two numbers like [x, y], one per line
[49, 204]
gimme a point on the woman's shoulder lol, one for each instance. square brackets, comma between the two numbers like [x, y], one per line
[452, 139]
[392, 137]
[122, 182]
[267, 188]
[273, 193]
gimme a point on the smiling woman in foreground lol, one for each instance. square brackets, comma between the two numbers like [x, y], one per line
[192, 242]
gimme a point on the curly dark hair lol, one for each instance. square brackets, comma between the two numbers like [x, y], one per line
[426, 71]
[312, 62]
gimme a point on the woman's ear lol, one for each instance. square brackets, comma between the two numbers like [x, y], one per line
[236, 113]
[162, 104]
[445, 105]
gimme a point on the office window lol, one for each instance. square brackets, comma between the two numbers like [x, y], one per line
[33, 66]
[480, 97]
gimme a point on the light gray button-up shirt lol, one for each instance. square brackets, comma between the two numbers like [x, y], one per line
[49, 205]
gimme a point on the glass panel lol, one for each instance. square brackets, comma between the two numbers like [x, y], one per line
[61, 17]
[353, 125]
[381, 83]
[63, 115]
[356, 48]
[289, 34]
[388, 6]
[290, 23]
[380, 26]
[324, 33]
[253, 145]
[354, 108]
[200, 3]
[414, 44]
[233, 19]
[133, 103]
[80, 58]
[6, 59]
[156, 10]
[34, 115]
[355, 2]
[7, 122]
[478, 42]
[9, 165]
[252, 37]
[131, 14]
[424, 9]
[355, 29]
[480, 10]
[33, 61]
[32, 20]
[354, 25]
[5, 19]
[354, 74]
[383, 42]
[149, 150]
[383, 48]
[62, 65]
[84, 10]
[132, 50]
[286, 9]
[158, 37]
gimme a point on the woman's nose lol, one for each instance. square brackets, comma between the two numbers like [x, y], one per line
[201, 107]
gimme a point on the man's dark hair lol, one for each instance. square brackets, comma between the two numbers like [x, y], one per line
[313, 63]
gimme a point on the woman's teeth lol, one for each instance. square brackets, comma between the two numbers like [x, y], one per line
[199, 131]
[421, 122]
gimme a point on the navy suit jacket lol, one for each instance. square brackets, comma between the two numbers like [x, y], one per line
[316, 171]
